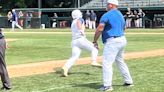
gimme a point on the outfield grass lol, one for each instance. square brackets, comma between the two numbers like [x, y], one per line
[147, 75]
[159, 30]
[38, 47]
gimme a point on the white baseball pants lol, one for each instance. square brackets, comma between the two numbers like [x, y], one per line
[113, 52]
[93, 24]
[77, 46]
[14, 23]
[128, 23]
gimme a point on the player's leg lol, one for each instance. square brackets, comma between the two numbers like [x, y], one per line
[94, 24]
[137, 23]
[3, 70]
[18, 26]
[140, 22]
[90, 24]
[109, 55]
[122, 65]
[75, 55]
[86, 23]
[86, 44]
[13, 25]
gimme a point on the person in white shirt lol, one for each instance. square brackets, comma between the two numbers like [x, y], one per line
[79, 42]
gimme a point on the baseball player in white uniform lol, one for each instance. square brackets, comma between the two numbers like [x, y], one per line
[79, 42]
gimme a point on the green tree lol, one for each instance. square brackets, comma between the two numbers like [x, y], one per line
[10, 4]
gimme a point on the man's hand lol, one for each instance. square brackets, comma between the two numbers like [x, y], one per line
[96, 45]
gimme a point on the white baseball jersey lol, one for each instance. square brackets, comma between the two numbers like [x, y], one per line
[76, 33]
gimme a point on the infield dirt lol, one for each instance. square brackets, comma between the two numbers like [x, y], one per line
[50, 66]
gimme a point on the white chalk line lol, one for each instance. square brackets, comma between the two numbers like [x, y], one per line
[64, 86]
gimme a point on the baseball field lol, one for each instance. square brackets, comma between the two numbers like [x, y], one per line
[35, 57]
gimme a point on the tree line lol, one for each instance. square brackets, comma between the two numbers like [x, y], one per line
[10, 4]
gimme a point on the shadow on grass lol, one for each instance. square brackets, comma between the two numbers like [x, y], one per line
[94, 86]
[89, 85]
[60, 72]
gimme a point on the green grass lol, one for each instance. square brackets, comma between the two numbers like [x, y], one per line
[147, 75]
[38, 47]
[140, 30]
[144, 42]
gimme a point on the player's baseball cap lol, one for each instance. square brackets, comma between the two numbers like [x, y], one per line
[115, 2]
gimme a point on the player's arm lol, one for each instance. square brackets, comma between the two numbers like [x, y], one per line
[103, 20]
[99, 30]
[81, 26]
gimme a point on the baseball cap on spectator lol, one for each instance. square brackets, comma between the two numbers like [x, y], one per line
[115, 2]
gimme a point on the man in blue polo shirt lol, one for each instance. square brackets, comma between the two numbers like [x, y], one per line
[112, 26]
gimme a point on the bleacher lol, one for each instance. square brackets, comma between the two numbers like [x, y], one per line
[125, 3]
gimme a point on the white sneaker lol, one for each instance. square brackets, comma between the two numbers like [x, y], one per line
[96, 64]
[65, 71]
[106, 88]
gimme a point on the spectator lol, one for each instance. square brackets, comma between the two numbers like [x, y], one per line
[21, 18]
[28, 19]
[87, 19]
[93, 19]
[128, 17]
[15, 20]
[141, 15]
[136, 19]
[9, 17]
[54, 22]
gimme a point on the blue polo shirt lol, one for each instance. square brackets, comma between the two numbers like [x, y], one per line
[114, 24]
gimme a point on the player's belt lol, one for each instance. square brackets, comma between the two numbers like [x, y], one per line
[114, 36]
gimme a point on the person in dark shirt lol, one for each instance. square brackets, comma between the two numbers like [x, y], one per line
[141, 15]
[15, 20]
[128, 17]
[93, 19]
[87, 19]
[136, 19]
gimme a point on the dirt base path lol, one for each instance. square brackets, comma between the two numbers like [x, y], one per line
[49, 66]
[10, 40]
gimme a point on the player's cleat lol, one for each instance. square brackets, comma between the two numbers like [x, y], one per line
[106, 88]
[128, 85]
[65, 71]
[96, 64]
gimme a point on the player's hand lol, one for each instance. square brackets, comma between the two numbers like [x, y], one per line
[96, 45]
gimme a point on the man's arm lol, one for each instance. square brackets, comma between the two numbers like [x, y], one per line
[98, 32]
